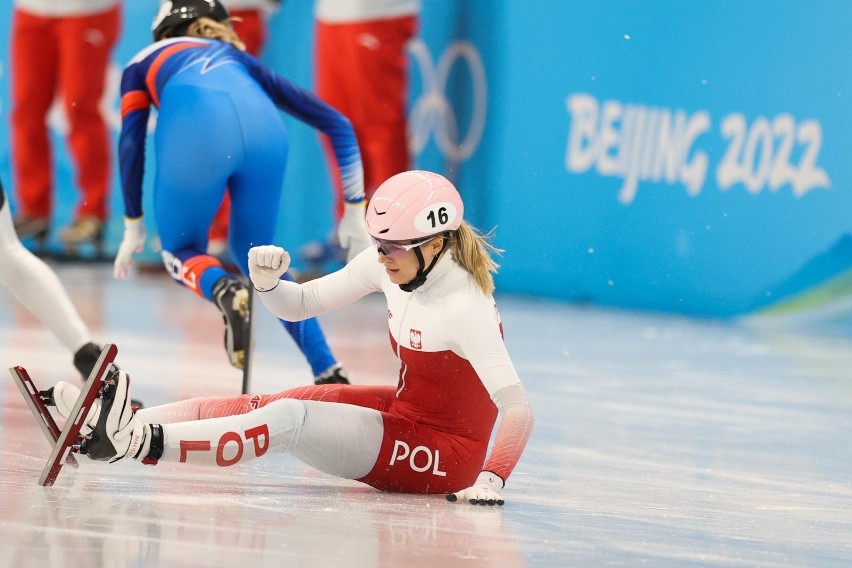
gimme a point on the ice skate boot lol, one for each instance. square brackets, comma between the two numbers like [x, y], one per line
[334, 375]
[63, 396]
[30, 226]
[69, 439]
[118, 433]
[85, 359]
[82, 230]
[232, 298]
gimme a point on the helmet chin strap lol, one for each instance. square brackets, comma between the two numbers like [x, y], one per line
[422, 272]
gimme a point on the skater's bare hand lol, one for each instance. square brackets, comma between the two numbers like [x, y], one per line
[133, 241]
[267, 264]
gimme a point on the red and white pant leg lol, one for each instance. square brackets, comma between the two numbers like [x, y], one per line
[362, 71]
[68, 55]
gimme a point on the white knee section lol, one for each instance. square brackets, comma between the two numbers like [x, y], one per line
[340, 439]
[230, 440]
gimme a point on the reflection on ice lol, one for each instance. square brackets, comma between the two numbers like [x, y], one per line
[659, 440]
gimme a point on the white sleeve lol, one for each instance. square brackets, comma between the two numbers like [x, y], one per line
[295, 302]
[479, 339]
[477, 336]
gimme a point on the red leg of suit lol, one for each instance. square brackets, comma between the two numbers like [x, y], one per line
[68, 54]
[86, 44]
[34, 84]
[219, 226]
[252, 30]
[362, 71]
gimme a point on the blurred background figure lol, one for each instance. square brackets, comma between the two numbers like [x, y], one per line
[38, 288]
[249, 19]
[361, 69]
[61, 47]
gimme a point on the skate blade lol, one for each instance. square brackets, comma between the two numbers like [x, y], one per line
[69, 438]
[239, 359]
[241, 303]
[37, 406]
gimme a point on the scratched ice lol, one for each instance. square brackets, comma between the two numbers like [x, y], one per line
[659, 440]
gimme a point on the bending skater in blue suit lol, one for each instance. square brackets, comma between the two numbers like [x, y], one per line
[219, 129]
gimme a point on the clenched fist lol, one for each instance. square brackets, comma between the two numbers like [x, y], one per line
[266, 266]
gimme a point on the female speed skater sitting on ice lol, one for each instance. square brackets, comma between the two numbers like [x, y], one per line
[428, 434]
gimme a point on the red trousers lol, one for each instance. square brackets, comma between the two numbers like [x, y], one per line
[68, 55]
[251, 28]
[362, 71]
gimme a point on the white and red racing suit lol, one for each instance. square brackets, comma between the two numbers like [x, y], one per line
[428, 434]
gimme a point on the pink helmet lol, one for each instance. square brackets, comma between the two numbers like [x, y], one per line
[414, 205]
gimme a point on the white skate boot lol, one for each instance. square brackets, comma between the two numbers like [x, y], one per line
[117, 433]
[63, 396]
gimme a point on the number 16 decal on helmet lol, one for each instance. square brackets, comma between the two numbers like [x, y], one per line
[437, 217]
[414, 205]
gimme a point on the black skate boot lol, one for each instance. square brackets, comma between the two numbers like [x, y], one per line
[117, 433]
[84, 360]
[335, 375]
[29, 226]
[232, 299]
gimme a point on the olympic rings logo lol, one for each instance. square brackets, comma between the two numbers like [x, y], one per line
[433, 113]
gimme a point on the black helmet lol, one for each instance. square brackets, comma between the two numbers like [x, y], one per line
[176, 12]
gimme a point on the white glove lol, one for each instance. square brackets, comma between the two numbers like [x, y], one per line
[266, 266]
[352, 230]
[486, 491]
[133, 241]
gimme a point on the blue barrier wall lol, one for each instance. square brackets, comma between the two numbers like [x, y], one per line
[675, 156]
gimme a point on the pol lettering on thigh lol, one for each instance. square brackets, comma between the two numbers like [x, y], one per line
[230, 440]
[420, 459]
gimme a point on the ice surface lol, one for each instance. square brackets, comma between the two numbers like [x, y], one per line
[659, 440]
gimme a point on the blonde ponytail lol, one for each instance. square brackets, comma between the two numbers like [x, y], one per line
[211, 29]
[472, 251]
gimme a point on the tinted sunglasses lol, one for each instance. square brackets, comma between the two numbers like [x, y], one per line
[397, 251]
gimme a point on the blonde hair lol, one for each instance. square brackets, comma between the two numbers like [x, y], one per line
[472, 251]
[210, 28]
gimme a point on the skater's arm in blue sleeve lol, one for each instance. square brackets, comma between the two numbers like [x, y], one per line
[311, 110]
[135, 108]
